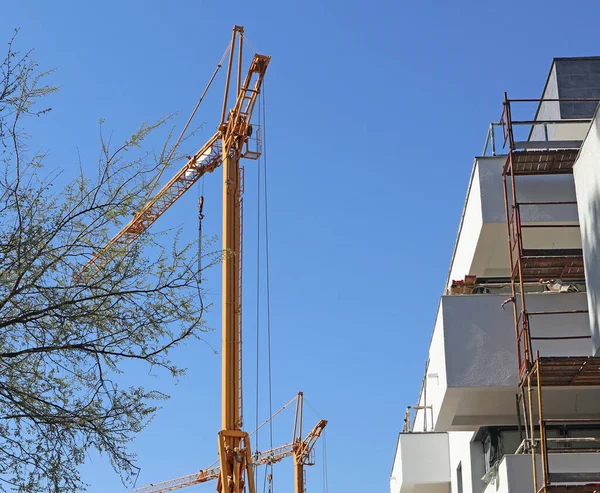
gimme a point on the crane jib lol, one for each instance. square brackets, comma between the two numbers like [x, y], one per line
[206, 160]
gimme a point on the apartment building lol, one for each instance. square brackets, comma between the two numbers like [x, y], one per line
[510, 398]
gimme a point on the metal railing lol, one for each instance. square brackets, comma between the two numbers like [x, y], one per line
[409, 421]
[496, 143]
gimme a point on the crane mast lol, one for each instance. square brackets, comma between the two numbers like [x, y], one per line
[235, 455]
[302, 447]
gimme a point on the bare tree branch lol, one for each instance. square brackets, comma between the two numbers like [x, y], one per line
[63, 339]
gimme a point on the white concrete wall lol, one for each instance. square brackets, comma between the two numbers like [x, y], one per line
[479, 335]
[472, 376]
[493, 246]
[587, 184]
[529, 189]
[479, 341]
[421, 459]
[469, 230]
[435, 386]
[548, 110]
[469, 455]
[515, 475]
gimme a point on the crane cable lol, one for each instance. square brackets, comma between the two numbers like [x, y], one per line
[267, 273]
[180, 138]
[324, 449]
[246, 40]
[201, 195]
[268, 481]
[325, 471]
[199, 252]
[262, 187]
[258, 196]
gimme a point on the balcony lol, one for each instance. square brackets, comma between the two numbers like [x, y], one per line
[421, 464]
[472, 378]
[514, 472]
[482, 248]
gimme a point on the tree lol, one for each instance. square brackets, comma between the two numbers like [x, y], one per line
[65, 338]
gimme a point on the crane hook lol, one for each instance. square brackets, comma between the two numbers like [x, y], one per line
[200, 207]
[200, 217]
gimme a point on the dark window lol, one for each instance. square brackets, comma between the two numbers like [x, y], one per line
[498, 442]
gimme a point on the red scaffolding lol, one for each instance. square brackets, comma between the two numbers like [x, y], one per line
[537, 157]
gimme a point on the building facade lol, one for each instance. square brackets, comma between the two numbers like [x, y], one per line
[510, 399]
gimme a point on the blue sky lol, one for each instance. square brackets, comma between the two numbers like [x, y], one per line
[375, 111]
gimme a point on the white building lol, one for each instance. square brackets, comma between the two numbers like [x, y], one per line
[477, 424]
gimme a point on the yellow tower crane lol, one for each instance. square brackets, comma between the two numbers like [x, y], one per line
[303, 448]
[224, 149]
[299, 448]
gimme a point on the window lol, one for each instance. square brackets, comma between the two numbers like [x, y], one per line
[490, 448]
[509, 442]
[498, 442]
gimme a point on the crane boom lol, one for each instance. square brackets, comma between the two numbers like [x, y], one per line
[302, 454]
[206, 160]
[303, 449]
[182, 482]
[271, 456]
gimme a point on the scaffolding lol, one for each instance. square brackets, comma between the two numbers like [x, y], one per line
[550, 149]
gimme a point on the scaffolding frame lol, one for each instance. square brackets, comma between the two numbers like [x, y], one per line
[528, 158]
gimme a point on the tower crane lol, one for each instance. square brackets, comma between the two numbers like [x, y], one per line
[303, 447]
[224, 149]
[299, 448]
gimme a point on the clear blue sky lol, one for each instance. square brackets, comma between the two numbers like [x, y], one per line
[375, 112]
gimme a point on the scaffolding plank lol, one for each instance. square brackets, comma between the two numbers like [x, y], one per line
[545, 162]
[552, 264]
[574, 477]
[571, 488]
[553, 252]
[557, 371]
